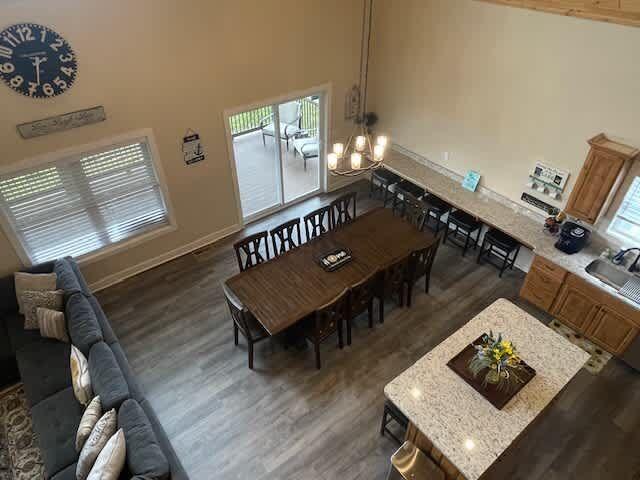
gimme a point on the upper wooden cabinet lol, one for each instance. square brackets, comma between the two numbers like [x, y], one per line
[598, 180]
[625, 12]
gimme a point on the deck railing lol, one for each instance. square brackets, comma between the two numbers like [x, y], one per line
[246, 122]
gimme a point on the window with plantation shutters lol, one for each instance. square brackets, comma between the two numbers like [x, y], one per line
[626, 223]
[82, 204]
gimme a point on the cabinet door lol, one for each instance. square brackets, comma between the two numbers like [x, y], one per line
[596, 180]
[540, 289]
[575, 307]
[611, 331]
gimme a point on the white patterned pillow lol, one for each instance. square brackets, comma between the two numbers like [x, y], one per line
[100, 435]
[33, 299]
[110, 462]
[33, 281]
[89, 419]
[80, 376]
[52, 324]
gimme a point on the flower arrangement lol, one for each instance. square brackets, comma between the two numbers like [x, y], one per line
[500, 359]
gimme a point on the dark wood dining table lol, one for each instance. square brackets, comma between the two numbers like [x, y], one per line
[283, 291]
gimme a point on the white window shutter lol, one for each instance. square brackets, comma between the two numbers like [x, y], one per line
[81, 204]
[626, 223]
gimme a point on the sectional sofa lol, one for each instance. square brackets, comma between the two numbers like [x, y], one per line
[43, 367]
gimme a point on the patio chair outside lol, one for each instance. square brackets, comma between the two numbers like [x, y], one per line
[290, 119]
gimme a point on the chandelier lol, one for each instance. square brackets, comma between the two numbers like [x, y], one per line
[360, 153]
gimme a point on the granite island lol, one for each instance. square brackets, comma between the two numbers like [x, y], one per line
[456, 425]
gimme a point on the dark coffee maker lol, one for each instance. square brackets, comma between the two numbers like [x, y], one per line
[573, 238]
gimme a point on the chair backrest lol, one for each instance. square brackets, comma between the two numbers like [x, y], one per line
[415, 213]
[249, 251]
[331, 314]
[317, 222]
[362, 293]
[290, 113]
[343, 210]
[421, 261]
[286, 237]
[395, 275]
[238, 311]
[400, 200]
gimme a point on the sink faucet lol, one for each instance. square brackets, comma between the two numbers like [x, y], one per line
[619, 258]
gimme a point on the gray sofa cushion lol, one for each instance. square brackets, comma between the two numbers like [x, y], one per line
[55, 421]
[67, 279]
[107, 379]
[44, 368]
[144, 455]
[83, 325]
[83, 283]
[107, 332]
[18, 336]
[135, 390]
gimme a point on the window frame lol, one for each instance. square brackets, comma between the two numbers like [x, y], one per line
[71, 154]
[610, 231]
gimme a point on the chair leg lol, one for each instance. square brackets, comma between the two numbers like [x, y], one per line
[235, 333]
[427, 279]
[370, 308]
[340, 336]
[409, 293]
[384, 421]
[401, 294]
[484, 242]
[381, 308]
[349, 324]
[264, 142]
[317, 348]
[250, 350]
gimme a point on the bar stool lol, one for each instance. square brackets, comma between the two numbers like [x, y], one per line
[498, 244]
[381, 181]
[436, 209]
[403, 191]
[390, 413]
[464, 225]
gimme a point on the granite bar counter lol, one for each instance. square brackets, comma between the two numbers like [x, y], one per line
[468, 430]
[518, 221]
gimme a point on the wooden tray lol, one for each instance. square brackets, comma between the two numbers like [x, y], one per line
[498, 398]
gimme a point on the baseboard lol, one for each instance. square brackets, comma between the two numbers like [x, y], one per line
[115, 278]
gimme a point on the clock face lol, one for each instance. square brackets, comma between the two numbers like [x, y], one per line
[35, 61]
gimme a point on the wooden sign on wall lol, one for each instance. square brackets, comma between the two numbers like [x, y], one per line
[625, 12]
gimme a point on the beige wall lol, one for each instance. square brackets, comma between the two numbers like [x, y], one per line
[169, 65]
[500, 87]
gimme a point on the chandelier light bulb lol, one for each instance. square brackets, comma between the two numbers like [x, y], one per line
[361, 143]
[356, 161]
[383, 140]
[378, 153]
[338, 149]
[332, 161]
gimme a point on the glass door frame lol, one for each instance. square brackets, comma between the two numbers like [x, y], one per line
[325, 94]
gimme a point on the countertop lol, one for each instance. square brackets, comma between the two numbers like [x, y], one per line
[521, 223]
[462, 424]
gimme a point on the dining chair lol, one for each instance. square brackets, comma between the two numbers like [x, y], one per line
[392, 283]
[248, 250]
[343, 210]
[244, 322]
[420, 263]
[317, 222]
[400, 201]
[415, 213]
[327, 320]
[361, 300]
[286, 237]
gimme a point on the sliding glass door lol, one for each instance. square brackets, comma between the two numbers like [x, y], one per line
[276, 150]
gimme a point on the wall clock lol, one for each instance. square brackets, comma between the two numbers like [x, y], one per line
[35, 61]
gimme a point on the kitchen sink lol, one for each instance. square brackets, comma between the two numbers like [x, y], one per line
[625, 282]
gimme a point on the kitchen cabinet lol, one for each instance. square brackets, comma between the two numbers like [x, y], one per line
[602, 318]
[599, 178]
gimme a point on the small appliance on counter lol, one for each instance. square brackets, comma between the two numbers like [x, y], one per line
[573, 238]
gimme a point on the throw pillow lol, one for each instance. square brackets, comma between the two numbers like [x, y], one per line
[110, 462]
[80, 377]
[33, 299]
[100, 435]
[33, 281]
[89, 419]
[52, 324]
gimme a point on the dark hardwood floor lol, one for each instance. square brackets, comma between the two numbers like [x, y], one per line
[285, 420]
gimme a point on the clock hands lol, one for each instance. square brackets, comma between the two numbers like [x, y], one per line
[37, 61]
